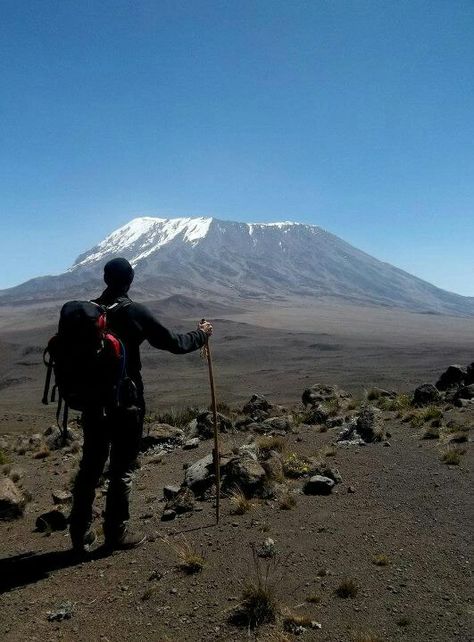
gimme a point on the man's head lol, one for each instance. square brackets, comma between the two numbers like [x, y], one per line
[118, 274]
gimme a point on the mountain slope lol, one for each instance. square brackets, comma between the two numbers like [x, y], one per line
[207, 256]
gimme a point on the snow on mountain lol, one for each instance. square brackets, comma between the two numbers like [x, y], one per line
[228, 260]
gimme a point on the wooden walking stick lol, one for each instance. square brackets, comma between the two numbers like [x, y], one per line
[206, 351]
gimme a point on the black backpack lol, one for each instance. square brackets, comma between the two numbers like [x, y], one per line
[88, 361]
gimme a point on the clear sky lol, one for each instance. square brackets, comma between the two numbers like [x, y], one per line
[356, 115]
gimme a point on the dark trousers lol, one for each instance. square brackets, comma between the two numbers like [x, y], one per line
[115, 433]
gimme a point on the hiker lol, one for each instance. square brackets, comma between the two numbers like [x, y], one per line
[118, 430]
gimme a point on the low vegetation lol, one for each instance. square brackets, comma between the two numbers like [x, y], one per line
[295, 466]
[452, 456]
[381, 560]
[240, 503]
[4, 459]
[347, 588]
[259, 604]
[189, 560]
[271, 442]
[287, 501]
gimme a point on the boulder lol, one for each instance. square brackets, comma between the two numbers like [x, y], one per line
[318, 485]
[258, 407]
[281, 424]
[245, 474]
[320, 392]
[170, 491]
[317, 415]
[325, 470]
[53, 520]
[12, 501]
[466, 392]
[182, 502]
[426, 394]
[273, 466]
[370, 424]
[205, 424]
[199, 476]
[160, 434]
[191, 443]
[452, 377]
[62, 496]
[53, 437]
[469, 375]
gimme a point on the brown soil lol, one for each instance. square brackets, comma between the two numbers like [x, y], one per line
[406, 505]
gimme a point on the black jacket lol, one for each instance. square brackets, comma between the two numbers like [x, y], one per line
[133, 323]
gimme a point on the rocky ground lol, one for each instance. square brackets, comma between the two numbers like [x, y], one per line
[344, 518]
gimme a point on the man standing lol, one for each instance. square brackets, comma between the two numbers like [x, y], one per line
[118, 431]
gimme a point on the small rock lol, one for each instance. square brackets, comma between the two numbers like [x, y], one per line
[267, 549]
[191, 443]
[53, 520]
[452, 377]
[12, 500]
[64, 611]
[318, 485]
[205, 424]
[62, 496]
[426, 394]
[168, 515]
[351, 489]
[370, 424]
[182, 502]
[170, 491]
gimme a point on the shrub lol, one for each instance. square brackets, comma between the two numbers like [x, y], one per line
[347, 588]
[295, 466]
[259, 604]
[452, 456]
[287, 501]
[271, 442]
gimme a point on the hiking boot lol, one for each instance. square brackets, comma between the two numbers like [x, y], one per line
[125, 541]
[83, 544]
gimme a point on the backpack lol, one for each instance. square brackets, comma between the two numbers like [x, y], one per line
[88, 361]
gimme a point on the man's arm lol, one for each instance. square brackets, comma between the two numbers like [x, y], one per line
[160, 337]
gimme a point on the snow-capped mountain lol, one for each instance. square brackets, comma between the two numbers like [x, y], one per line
[230, 260]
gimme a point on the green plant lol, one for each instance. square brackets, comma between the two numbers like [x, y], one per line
[347, 588]
[394, 404]
[295, 466]
[4, 459]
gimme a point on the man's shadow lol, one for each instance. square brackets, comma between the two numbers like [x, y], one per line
[30, 567]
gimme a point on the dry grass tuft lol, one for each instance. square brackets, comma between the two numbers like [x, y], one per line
[381, 560]
[347, 588]
[189, 560]
[42, 453]
[259, 604]
[287, 501]
[4, 459]
[452, 456]
[293, 621]
[314, 599]
[240, 503]
[432, 432]
[272, 442]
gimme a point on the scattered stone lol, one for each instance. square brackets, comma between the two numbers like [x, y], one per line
[200, 475]
[168, 515]
[162, 434]
[317, 415]
[12, 500]
[205, 424]
[53, 520]
[182, 502]
[267, 549]
[246, 474]
[170, 491]
[64, 611]
[426, 394]
[191, 443]
[334, 422]
[318, 485]
[466, 392]
[326, 470]
[351, 489]
[273, 466]
[62, 496]
[54, 440]
[282, 424]
[258, 408]
[370, 424]
[319, 393]
[452, 377]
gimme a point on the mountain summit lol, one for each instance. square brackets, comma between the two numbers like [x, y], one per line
[231, 260]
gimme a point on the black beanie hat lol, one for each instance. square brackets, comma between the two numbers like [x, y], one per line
[118, 273]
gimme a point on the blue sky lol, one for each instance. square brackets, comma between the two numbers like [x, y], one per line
[356, 115]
